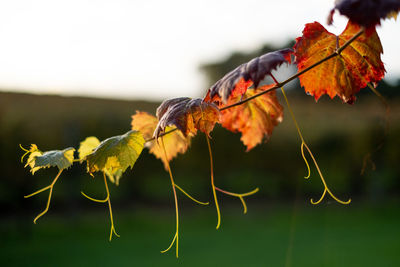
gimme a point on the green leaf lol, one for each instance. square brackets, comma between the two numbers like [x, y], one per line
[115, 154]
[87, 146]
[62, 159]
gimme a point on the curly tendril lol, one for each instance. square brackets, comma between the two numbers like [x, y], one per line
[214, 188]
[107, 199]
[304, 144]
[175, 240]
[50, 188]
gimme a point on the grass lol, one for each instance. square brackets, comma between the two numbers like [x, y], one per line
[325, 235]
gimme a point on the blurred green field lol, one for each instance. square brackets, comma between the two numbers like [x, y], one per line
[75, 231]
[327, 235]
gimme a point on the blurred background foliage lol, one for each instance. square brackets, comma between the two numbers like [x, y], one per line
[340, 136]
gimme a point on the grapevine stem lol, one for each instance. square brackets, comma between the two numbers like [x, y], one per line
[304, 144]
[50, 187]
[291, 78]
[176, 236]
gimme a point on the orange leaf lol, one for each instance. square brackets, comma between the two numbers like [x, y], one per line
[188, 115]
[343, 75]
[255, 119]
[174, 142]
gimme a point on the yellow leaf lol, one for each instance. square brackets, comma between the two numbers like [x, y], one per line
[87, 146]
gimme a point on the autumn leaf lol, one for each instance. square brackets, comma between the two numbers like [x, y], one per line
[87, 146]
[255, 119]
[37, 160]
[115, 154]
[144, 123]
[62, 159]
[343, 75]
[174, 142]
[237, 81]
[367, 13]
[188, 115]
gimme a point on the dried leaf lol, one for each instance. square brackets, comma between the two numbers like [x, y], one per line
[343, 75]
[174, 142]
[367, 13]
[188, 115]
[237, 81]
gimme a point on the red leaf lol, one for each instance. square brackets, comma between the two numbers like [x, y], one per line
[188, 115]
[255, 119]
[343, 75]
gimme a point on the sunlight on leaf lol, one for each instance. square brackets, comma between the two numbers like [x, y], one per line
[62, 159]
[174, 142]
[37, 160]
[115, 154]
[188, 115]
[87, 146]
[255, 119]
[343, 75]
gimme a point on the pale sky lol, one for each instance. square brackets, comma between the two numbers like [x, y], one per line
[149, 49]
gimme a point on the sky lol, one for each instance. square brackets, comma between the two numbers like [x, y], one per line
[149, 49]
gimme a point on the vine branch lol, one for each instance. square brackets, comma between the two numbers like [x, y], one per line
[279, 85]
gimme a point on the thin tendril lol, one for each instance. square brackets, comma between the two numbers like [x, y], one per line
[240, 196]
[176, 236]
[24, 149]
[50, 187]
[107, 199]
[26, 152]
[323, 181]
[189, 196]
[298, 131]
[305, 160]
[95, 199]
[303, 144]
[244, 204]
[37, 192]
[170, 246]
[212, 184]
[109, 208]
[367, 158]
[237, 194]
